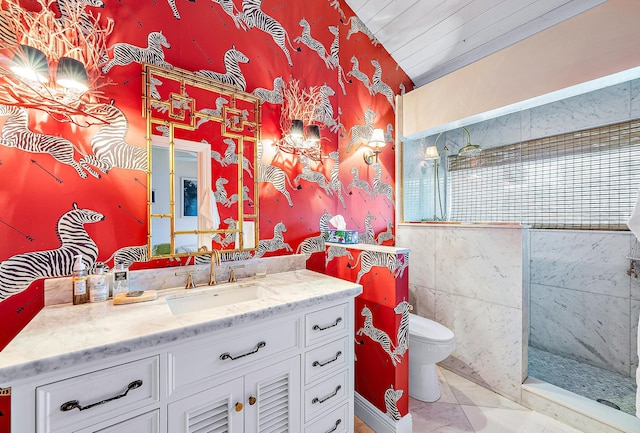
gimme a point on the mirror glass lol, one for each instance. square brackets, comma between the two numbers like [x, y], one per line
[202, 139]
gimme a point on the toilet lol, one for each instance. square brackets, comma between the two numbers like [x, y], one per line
[429, 343]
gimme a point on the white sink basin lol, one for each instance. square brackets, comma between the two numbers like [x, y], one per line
[211, 298]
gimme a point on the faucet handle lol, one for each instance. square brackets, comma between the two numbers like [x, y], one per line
[232, 272]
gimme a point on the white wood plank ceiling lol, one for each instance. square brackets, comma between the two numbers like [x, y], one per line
[431, 38]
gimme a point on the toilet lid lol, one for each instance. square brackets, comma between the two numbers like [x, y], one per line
[426, 329]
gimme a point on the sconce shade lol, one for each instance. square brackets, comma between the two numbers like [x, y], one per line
[377, 138]
[297, 128]
[31, 64]
[313, 133]
[431, 153]
[71, 74]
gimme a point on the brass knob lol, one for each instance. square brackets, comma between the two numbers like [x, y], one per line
[252, 401]
[239, 407]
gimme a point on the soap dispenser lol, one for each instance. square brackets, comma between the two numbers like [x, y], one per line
[79, 280]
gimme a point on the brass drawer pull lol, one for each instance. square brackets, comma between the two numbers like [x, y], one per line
[227, 355]
[322, 400]
[322, 364]
[321, 328]
[75, 404]
[252, 401]
[335, 427]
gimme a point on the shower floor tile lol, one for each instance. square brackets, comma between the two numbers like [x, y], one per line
[583, 379]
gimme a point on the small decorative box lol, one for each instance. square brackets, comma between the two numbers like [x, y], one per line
[341, 236]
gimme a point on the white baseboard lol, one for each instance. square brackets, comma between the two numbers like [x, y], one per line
[378, 421]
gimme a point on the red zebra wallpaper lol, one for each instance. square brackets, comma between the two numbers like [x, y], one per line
[79, 187]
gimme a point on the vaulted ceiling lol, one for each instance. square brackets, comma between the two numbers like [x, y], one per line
[431, 38]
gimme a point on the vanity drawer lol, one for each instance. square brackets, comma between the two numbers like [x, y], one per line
[324, 360]
[335, 421]
[326, 324]
[78, 401]
[326, 395]
[208, 357]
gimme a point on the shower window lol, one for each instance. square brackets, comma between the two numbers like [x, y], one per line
[587, 179]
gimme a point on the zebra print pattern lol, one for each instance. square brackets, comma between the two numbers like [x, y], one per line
[334, 57]
[274, 244]
[336, 5]
[368, 237]
[109, 146]
[371, 259]
[386, 235]
[324, 111]
[358, 26]
[229, 238]
[124, 54]
[16, 133]
[245, 197]
[335, 185]
[231, 157]
[129, 255]
[359, 183]
[391, 397]
[17, 272]
[403, 330]
[174, 9]
[230, 9]
[356, 73]
[253, 16]
[232, 75]
[311, 175]
[377, 335]
[378, 186]
[314, 244]
[272, 96]
[72, 11]
[312, 43]
[273, 175]
[379, 86]
[220, 193]
[362, 133]
[214, 112]
[335, 251]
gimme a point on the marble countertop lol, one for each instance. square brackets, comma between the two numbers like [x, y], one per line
[62, 335]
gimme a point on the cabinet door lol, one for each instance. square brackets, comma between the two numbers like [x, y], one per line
[218, 409]
[272, 397]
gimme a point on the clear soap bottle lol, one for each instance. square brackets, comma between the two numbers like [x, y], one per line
[79, 280]
[99, 285]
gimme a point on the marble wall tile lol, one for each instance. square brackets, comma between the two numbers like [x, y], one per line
[591, 261]
[488, 342]
[633, 337]
[423, 300]
[600, 107]
[635, 99]
[482, 263]
[500, 131]
[585, 326]
[421, 240]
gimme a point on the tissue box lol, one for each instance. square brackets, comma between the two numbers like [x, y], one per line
[341, 236]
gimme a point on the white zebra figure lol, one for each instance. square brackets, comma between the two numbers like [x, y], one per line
[388, 134]
[336, 5]
[356, 73]
[334, 57]
[402, 88]
[368, 237]
[214, 112]
[16, 133]
[254, 17]
[245, 197]
[335, 251]
[310, 245]
[73, 11]
[174, 8]
[231, 157]
[386, 235]
[308, 40]
[229, 238]
[274, 244]
[391, 397]
[271, 96]
[109, 146]
[324, 111]
[124, 53]
[371, 259]
[17, 272]
[377, 335]
[232, 75]
[359, 183]
[378, 186]
[362, 133]
[220, 193]
[230, 9]
[379, 86]
[129, 255]
[358, 26]
[335, 185]
[403, 330]
[274, 175]
[311, 175]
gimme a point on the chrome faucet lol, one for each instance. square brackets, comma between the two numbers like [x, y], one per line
[215, 261]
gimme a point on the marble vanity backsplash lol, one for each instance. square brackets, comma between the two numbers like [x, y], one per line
[58, 290]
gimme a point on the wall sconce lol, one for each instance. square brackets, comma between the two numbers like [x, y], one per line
[301, 141]
[376, 142]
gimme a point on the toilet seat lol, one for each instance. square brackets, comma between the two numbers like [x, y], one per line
[427, 330]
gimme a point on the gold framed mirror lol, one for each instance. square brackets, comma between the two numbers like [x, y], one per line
[202, 141]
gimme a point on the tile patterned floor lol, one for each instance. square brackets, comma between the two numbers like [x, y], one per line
[583, 379]
[465, 407]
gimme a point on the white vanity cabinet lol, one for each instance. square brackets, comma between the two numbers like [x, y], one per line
[288, 372]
